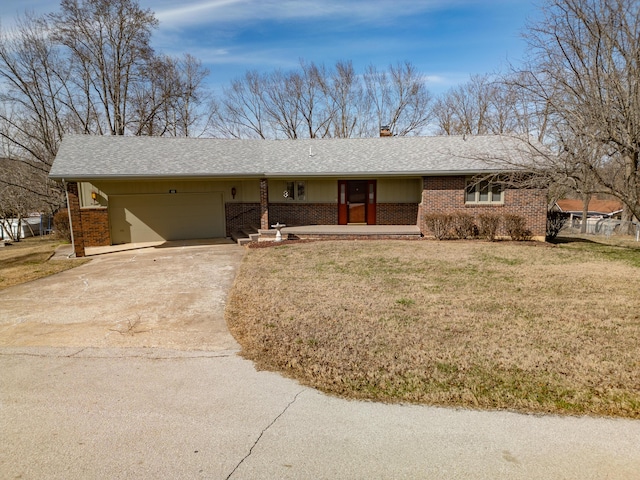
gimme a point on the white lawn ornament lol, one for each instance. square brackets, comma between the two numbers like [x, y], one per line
[278, 227]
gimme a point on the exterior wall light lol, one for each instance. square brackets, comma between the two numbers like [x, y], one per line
[233, 192]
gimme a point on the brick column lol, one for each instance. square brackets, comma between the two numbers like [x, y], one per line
[76, 218]
[264, 204]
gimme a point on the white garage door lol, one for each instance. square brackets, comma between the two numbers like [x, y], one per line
[155, 217]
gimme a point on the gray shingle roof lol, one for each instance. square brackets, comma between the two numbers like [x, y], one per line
[102, 157]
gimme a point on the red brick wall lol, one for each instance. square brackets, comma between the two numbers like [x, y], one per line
[295, 214]
[239, 215]
[95, 226]
[446, 195]
[76, 218]
[396, 213]
[264, 204]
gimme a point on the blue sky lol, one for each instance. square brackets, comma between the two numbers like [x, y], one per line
[447, 40]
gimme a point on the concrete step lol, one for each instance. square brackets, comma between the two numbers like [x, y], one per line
[244, 241]
[246, 234]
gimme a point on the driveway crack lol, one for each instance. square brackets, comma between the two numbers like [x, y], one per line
[76, 353]
[262, 433]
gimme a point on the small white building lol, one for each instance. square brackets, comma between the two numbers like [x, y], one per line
[28, 227]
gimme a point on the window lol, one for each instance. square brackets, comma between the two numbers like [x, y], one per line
[295, 191]
[484, 192]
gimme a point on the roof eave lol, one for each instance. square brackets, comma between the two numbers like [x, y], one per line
[202, 176]
[410, 173]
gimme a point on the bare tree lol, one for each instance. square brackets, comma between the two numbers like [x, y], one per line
[584, 70]
[190, 118]
[34, 114]
[87, 69]
[169, 101]
[34, 99]
[316, 102]
[532, 117]
[310, 85]
[241, 112]
[482, 106]
[110, 40]
[348, 104]
[281, 103]
[399, 98]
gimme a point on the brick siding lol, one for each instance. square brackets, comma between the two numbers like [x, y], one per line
[447, 195]
[239, 215]
[296, 214]
[95, 226]
[76, 219]
[264, 204]
[396, 213]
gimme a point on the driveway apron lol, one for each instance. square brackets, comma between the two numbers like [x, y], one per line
[163, 297]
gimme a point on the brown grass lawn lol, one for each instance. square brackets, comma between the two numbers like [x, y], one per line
[29, 260]
[520, 326]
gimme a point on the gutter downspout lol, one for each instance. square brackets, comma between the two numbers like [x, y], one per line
[66, 193]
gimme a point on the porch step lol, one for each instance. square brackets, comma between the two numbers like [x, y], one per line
[246, 234]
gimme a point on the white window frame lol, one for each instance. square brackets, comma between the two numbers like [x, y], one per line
[295, 190]
[494, 192]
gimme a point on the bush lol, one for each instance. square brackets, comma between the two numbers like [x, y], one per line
[516, 227]
[439, 224]
[555, 223]
[61, 225]
[464, 226]
[488, 225]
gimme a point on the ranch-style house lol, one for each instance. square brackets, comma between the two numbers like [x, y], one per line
[142, 189]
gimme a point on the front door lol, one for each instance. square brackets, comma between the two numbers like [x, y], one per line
[357, 202]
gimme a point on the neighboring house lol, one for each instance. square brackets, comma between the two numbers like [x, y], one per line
[138, 189]
[596, 209]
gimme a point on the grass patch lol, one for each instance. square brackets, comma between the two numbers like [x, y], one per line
[29, 260]
[518, 326]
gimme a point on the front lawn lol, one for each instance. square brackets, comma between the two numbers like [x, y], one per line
[30, 259]
[520, 326]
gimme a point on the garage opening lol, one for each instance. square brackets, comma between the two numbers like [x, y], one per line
[172, 216]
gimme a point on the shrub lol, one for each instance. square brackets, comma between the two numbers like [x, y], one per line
[555, 223]
[61, 225]
[516, 227]
[488, 225]
[464, 226]
[439, 224]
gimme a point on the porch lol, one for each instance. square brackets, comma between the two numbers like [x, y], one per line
[344, 232]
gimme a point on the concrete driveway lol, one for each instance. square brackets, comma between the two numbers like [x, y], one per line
[168, 296]
[155, 389]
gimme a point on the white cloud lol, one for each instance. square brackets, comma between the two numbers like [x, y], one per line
[221, 11]
[440, 82]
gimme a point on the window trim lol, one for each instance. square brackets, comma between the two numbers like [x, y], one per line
[293, 194]
[478, 187]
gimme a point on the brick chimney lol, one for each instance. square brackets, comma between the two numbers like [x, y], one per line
[385, 131]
